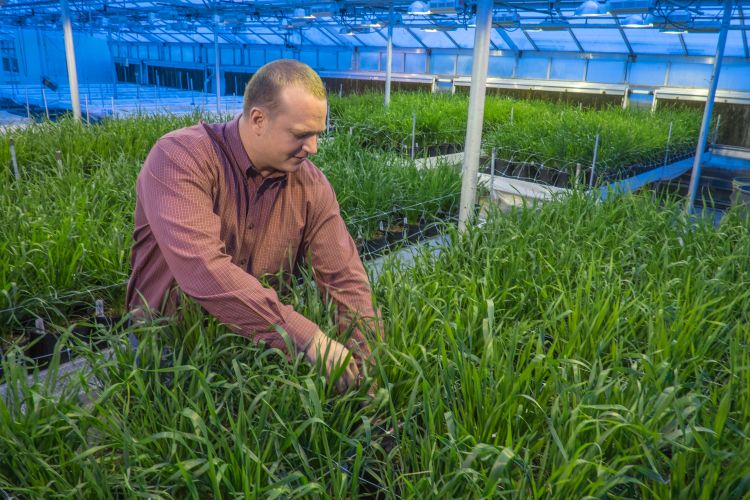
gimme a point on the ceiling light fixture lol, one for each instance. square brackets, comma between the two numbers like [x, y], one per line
[591, 8]
[637, 21]
[419, 8]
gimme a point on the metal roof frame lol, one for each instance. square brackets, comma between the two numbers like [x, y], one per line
[261, 20]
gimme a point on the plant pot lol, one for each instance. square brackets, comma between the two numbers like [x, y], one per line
[395, 234]
[521, 171]
[376, 246]
[562, 179]
[742, 195]
[413, 232]
[546, 176]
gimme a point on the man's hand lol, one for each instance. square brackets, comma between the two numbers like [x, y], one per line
[332, 355]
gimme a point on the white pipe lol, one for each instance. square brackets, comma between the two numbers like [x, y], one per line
[70, 57]
[217, 70]
[476, 112]
[389, 61]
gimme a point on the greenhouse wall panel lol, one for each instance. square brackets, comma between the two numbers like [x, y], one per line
[327, 60]
[272, 53]
[648, 73]
[415, 63]
[567, 69]
[44, 55]
[735, 77]
[344, 60]
[257, 57]
[397, 65]
[310, 57]
[501, 67]
[369, 61]
[689, 75]
[443, 64]
[464, 65]
[603, 71]
[532, 67]
[228, 56]
[187, 53]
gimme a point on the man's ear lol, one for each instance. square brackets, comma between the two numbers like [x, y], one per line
[258, 119]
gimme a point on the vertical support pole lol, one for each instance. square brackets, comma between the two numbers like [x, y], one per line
[88, 118]
[593, 162]
[44, 98]
[235, 86]
[389, 60]
[653, 103]
[625, 98]
[28, 108]
[669, 140]
[14, 160]
[716, 130]
[114, 68]
[703, 137]
[328, 118]
[341, 89]
[476, 112]
[413, 132]
[70, 57]
[217, 69]
[493, 158]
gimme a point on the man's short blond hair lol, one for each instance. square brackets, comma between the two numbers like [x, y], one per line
[264, 87]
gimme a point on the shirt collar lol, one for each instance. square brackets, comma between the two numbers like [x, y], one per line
[232, 132]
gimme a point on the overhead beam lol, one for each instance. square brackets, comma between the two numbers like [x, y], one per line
[575, 39]
[508, 40]
[684, 45]
[531, 40]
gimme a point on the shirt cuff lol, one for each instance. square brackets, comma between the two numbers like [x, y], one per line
[300, 329]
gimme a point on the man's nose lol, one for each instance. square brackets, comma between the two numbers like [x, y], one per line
[310, 146]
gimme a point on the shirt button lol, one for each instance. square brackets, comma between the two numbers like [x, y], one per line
[250, 226]
[243, 262]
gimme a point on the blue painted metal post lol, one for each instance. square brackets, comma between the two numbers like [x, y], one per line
[703, 137]
[475, 119]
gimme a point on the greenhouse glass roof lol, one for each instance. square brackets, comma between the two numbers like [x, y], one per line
[617, 26]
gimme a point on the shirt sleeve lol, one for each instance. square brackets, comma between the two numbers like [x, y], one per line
[339, 272]
[176, 194]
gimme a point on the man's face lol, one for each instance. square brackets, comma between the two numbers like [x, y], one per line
[288, 134]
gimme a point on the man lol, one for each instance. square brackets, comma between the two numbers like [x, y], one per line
[220, 205]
